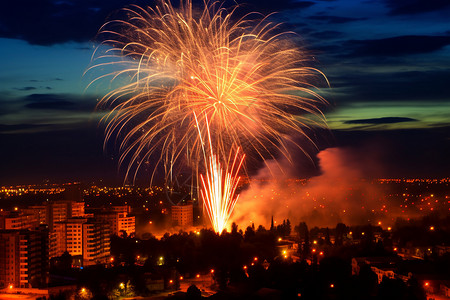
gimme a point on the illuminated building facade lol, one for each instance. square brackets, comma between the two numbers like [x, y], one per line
[23, 258]
[96, 243]
[74, 235]
[118, 219]
[182, 215]
[18, 220]
[87, 238]
[39, 210]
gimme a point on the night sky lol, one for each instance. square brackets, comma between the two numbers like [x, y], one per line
[387, 62]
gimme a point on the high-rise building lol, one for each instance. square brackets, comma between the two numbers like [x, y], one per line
[59, 211]
[39, 210]
[118, 219]
[87, 238]
[56, 212]
[96, 243]
[120, 208]
[18, 220]
[182, 215]
[76, 209]
[126, 223]
[57, 240]
[24, 258]
[74, 235]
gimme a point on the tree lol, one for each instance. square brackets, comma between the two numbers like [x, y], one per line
[341, 230]
[66, 261]
[327, 237]
[288, 227]
[193, 293]
[302, 231]
[249, 233]
[234, 228]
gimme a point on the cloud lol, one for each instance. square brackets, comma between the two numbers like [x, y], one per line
[27, 88]
[30, 88]
[407, 7]
[384, 120]
[335, 19]
[326, 34]
[429, 85]
[15, 128]
[59, 102]
[58, 105]
[397, 46]
[269, 6]
[50, 22]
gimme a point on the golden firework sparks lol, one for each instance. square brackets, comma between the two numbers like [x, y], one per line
[245, 80]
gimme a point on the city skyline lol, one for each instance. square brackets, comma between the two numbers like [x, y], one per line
[385, 60]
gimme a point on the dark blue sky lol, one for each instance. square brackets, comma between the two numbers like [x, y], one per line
[387, 62]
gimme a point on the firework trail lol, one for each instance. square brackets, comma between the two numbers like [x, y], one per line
[220, 185]
[246, 82]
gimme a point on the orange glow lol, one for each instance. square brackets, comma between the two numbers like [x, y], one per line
[198, 276]
[181, 277]
[255, 258]
[180, 61]
[170, 281]
[331, 285]
[245, 267]
[83, 290]
[431, 228]
[212, 270]
[10, 286]
[427, 283]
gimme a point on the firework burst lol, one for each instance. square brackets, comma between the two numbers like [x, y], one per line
[181, 72]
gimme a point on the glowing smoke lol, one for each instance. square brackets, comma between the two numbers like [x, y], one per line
[338, 194]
